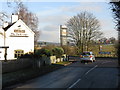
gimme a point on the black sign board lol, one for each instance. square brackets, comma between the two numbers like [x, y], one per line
[4, 47]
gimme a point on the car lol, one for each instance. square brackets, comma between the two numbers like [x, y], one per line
[87, 56]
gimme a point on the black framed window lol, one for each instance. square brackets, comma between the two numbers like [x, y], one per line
[18, 53]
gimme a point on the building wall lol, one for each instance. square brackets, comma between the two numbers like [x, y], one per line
[63, 35]
[19, 43]
[19, 38]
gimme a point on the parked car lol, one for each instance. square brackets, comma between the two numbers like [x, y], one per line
[87, 56]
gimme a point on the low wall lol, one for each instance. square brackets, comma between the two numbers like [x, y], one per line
[53, 59]
[14, 65]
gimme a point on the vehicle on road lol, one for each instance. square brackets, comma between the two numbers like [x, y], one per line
[87, 56]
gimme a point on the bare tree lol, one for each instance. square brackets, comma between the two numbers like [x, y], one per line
[30, 19]
[83, 29]
[3, 15]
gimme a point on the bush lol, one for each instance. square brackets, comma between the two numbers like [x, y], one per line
[42, 52]
[58, 52]
[31, 55]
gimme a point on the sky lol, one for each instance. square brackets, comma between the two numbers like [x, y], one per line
[53, 14]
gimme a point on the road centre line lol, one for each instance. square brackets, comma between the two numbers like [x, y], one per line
[91, 69]
[74, 83]
[80, 79]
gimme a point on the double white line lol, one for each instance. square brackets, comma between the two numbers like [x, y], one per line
[80, 79]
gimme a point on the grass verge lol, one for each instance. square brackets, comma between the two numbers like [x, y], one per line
[63, 63]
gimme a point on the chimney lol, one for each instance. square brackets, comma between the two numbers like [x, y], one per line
[5, 24]
[14, 18]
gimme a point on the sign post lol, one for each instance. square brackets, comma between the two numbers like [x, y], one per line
[100, 48]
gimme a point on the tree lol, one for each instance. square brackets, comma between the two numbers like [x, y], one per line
[43, 52]
[103, 40]
[116, 12]
[83, 29]
[70, 50]
[30, 19]
[3, 15]
[49, 47]
[112, 40]
[58, 52]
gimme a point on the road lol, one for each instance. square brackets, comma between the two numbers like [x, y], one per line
[100, 74]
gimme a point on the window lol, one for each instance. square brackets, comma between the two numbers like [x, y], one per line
[18, 53]
[86, 53]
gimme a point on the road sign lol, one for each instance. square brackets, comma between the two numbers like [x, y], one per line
[104, 52]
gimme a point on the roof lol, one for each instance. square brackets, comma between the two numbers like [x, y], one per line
[6, 28]
[11, 24]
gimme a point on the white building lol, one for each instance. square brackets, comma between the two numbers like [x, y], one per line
[63, 35]
[18, 37]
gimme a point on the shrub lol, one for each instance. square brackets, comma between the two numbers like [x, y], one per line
[58, 52]
[31, 55]
[42, 52]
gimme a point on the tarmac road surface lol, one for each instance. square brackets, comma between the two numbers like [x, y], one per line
[100, 74]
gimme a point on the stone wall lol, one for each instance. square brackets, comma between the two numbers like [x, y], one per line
[14, 65]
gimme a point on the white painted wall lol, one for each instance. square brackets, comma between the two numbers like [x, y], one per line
[15, 43]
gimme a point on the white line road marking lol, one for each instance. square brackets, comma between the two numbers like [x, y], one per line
[91, 69]
[80, 79]
[74, 83]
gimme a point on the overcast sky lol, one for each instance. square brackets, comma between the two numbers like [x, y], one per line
[53, 14]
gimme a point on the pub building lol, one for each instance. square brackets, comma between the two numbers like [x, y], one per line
[16, 39]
